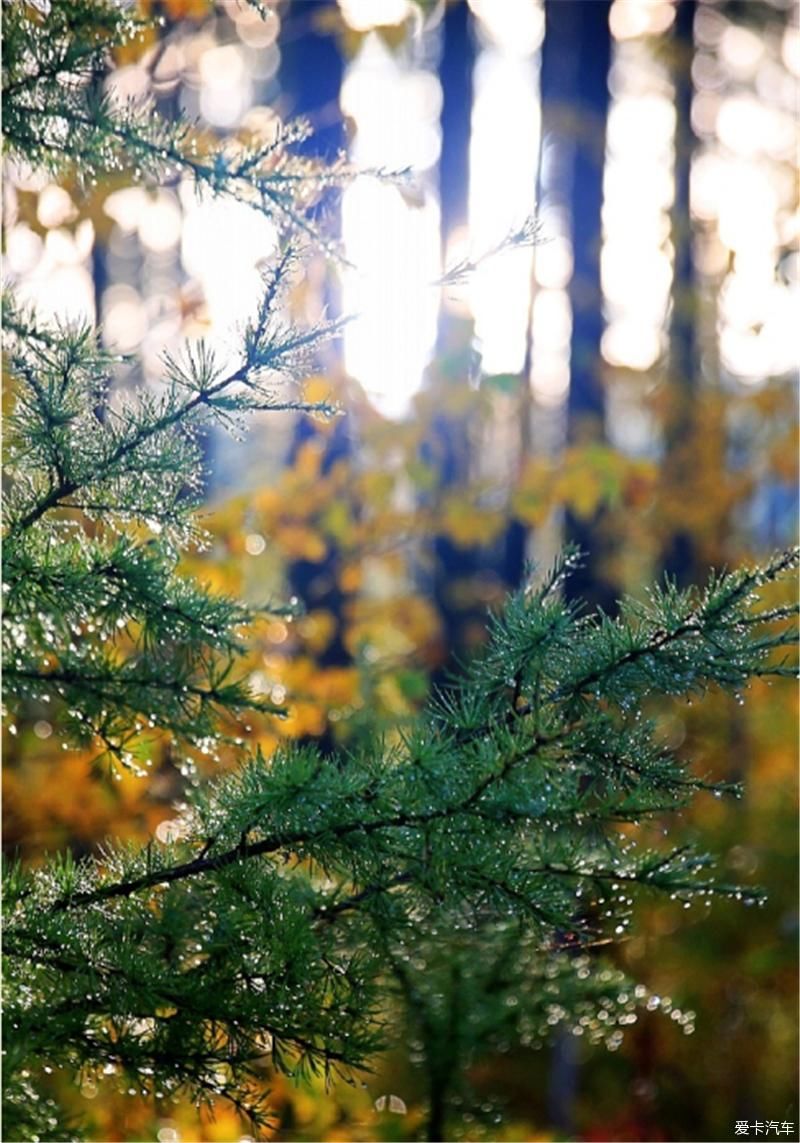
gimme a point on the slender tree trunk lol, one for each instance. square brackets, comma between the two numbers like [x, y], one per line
[576, 56]
[311, 74]
[448, 445]
[680, 557]
[455, 76]
[311, 78]
[436, 1111]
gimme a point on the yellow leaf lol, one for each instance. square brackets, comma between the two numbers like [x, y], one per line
[337, 522]
[309, 459]
[376, 488]
[268, 501]
[468, 525]
[317, 629]
[350, 578]
[297, 542]
[532, 498]
[318, 388]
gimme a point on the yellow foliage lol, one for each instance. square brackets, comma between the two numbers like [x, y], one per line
[313, 692]
[422, 475]
[350, 577]
[319, 388]
[335, 686]
[337, 521]
[531, 499]
[391, 696]
[224, 1127]
[268, 502]
[307, 462]
[375, 489]
[36, 809]
[397, 627]
[317, 630]
[133, 51]
[591, 475]
[783, 456]
[467, 524]
[299, 542]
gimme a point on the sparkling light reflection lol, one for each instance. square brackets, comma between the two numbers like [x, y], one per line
[390, 234]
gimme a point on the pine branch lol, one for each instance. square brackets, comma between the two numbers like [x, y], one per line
[488, 810]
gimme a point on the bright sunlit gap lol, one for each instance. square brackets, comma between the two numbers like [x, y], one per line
[391, 232]
[503, 156]
[637, 195]
[551, 312]
[744, 192]
[638, 191]
[223, 244]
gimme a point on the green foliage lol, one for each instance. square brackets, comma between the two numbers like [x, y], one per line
[492, 844]
[97, 622]
[303, 885]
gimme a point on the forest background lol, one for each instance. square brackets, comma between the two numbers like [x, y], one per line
[626, 382]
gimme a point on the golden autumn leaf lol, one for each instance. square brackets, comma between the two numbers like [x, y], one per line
[308, 461]
[304, 718]
[532, 497]
[350, 577]
[467, 524]
[318, 388]
[335, 686]
[269, 502]
[399, 626]
[337, 521]
[393, 700]
[375, 488]
[317, 629]
[299, 542]
[188, 9]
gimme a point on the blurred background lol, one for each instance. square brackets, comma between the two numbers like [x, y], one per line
[627, 383]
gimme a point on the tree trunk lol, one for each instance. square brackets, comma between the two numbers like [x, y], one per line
[680, 557]
[576, 56]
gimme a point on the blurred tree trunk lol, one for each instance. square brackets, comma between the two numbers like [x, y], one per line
[455, 76]
[455, 438]
[449, 445]
[448, 449]
[312, 69]
[680, 556]
[311, 72]
[576, 56]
